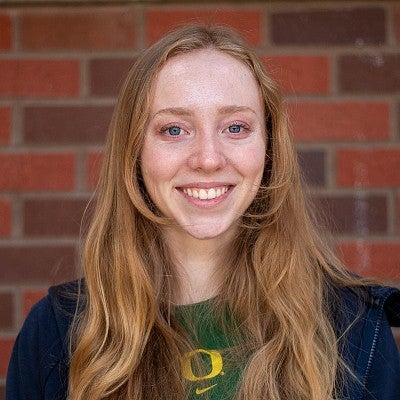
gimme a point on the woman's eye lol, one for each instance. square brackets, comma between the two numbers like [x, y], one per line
[235, 128]
[173, 131]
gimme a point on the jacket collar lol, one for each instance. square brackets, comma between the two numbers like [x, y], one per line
[389, 297]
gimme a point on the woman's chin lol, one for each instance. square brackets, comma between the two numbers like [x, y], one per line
[210, 231]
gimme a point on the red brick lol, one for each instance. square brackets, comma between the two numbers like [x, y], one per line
[37, 264]
[5, 125]
[6, 310]
[372, 259]
[398, 25]
[93, 166]
[66, 124]
[374, 167]
[299, 74]
[354, 26]
[31, 297]
[247, 22]
[6, 345]
[313, 166]
[5, 32]
[398, 213]
[5, 218]
[45, 78]
[374, 72]
[91, 28]
[356, 214]
[340, 121]
[61, 217]
[106, 75]
[23, 172]
[397, 128]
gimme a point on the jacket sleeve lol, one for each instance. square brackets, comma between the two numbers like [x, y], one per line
[383, 379]
[37, 366]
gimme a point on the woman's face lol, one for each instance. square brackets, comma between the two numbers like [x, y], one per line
[205, 142]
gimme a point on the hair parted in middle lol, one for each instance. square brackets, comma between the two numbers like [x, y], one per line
[126, 343]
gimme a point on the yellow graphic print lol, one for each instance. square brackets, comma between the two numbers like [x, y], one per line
[215, 360]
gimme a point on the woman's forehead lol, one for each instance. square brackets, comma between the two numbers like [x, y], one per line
[206, 76]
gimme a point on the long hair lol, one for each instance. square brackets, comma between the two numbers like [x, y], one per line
[126, 343]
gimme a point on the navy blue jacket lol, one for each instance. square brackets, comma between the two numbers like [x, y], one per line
[38, 368]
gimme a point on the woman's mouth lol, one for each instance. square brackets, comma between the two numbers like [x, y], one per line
[205, 194]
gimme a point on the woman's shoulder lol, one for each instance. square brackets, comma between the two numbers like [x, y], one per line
[357, 301]
[389, 298]
[55, 311]
[49, 320]
[363, 317]
[39, 362]
[65, 299]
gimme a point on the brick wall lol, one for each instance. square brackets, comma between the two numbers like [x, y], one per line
[60, 68]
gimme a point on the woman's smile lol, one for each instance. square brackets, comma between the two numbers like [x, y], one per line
[205, 194]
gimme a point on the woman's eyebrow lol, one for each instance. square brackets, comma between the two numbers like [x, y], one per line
[173, 111]
[181, 111]
[232, 109]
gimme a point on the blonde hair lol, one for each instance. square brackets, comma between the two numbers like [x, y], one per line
[126, 343]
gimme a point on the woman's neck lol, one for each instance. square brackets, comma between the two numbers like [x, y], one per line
[198, 265]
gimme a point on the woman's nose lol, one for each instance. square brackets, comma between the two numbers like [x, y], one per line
[207, 153]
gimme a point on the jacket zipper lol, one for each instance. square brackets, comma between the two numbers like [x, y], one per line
[381, 303]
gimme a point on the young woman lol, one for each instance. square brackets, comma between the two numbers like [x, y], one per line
[204, 276]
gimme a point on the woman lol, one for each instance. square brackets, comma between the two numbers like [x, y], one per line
[204, 277]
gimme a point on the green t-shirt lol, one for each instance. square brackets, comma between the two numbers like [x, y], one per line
[212, 371]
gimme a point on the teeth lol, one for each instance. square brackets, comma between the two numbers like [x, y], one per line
[206, 194]
[211, 194]
[202, 194]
